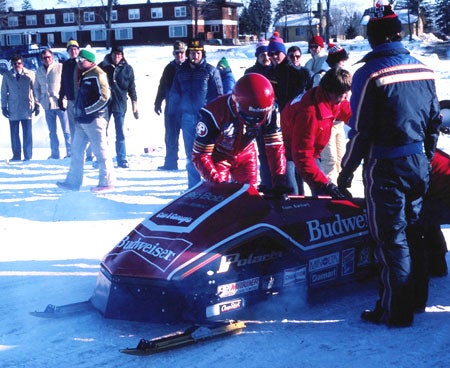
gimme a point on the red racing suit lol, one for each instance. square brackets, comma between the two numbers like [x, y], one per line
[224, 146]
[307, 122]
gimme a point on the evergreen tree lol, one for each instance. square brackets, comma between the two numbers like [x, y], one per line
[3, 6]
[26, 5]
[442, 16]
[286, 7]
[256, 18]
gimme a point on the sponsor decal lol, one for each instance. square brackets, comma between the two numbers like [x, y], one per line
[205, 196]
[236, 288]
[180, 219]
[294, 275]
[324, 276]
[259, 109]
[224, 307]
[348, 261]
[153, 250]
[340, 226]
[238, 261]
[364, 258]
[201, 130]
[327, 261]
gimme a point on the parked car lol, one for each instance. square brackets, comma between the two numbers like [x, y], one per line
[30, 55]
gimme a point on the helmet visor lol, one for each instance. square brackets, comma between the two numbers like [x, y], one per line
[254, 120]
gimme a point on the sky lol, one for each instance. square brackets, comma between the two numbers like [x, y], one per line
[51, 244]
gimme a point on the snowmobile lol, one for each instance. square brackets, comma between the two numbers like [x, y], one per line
[219, 248]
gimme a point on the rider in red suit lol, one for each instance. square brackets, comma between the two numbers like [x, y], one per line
[224, 147]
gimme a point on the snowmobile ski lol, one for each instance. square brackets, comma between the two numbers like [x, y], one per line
[190, 336]
[54, 311]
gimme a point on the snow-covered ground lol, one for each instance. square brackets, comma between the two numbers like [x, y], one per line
[51, 243]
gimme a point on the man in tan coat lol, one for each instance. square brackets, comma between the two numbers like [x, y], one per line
[46, 89]
[18, 105]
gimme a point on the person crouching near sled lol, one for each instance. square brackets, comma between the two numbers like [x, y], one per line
[224, 147]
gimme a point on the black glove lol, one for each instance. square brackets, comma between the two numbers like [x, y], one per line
[280, 187]
[61, 104]
[5, 112]
[344, 182]
[36, 110]
[333, 191]
[158, 109]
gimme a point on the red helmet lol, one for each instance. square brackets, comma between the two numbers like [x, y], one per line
[254, 98]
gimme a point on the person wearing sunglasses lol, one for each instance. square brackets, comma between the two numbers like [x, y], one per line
[46, 88]
[18, 104]
[224, 148]
[172, 123]
[294, 55]
[317, 64]
[90, 111]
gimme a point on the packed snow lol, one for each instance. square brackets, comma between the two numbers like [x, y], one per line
[52, 243]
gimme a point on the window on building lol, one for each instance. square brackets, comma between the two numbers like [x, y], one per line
[301, 31]
[230, 11]
[13, 39]
[31, 20]
[114, 16]
[134, 14]
[177, 31]
[49, 19]
[50, 38]
[66, 36]
[180, 11]
[13, 21]
[215, 28]
[124, 34]
[98, 35]
[156, 13]
[89, 17]
[69, 17]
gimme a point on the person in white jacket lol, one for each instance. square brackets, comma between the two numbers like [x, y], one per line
[317, 64]
[46, 89]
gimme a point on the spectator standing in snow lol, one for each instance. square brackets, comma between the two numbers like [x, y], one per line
[90, 111]
[195, 84]
[121, 81]
[331, 156]
[172, 120]
[317, 64]
[226, 74]
[289, 81]
[308, 120]
[224, 148]
[46, 89]
[18, 105]
[394, 129]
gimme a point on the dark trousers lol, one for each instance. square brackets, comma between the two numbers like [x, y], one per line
[394, 190]
[121, 150]
[16, 144]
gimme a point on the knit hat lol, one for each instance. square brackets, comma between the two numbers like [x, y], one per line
[261, 46]
[383, 21]
[118, 49]
[73, 43]
[179, 46]
[336, 54]
[195, 45]
[316, 40]
[223, 64]
[88, 55]
[276, 44]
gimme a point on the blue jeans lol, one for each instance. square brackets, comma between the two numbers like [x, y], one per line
[50, 117]
[295, 181]
[95, 134]
[188, 124]
[264, 170]
[16, 144]
[171, 138]
[119, 119]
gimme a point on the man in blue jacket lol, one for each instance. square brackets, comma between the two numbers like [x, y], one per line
[195, 84]
[394, 129]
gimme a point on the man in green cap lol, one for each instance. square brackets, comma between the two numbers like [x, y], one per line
[90, 113]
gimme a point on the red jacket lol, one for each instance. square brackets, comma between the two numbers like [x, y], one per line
[224, 146]
[306, 123]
